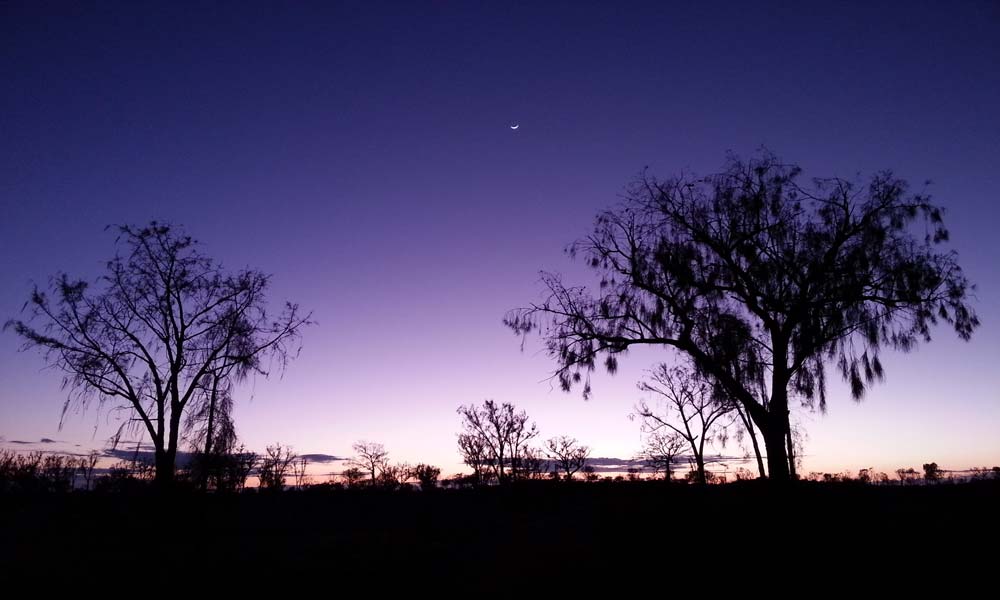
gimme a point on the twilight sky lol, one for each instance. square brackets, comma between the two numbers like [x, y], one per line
[361, 153]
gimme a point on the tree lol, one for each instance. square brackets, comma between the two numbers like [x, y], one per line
[661, 448]
[501, 432]
[371, 458]
[352, 477]
[474, 454]
[300, 469]
[530, 464]
[567, 454]
[932, 472]
[691, 410]
[275, 466]
[427, 475]
[906, 474]
[164, 319]
[87, 465]
[760, 281]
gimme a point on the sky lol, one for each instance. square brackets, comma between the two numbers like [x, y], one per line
[362, 154]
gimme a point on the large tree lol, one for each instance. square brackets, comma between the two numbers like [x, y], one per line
[164, 322]
[761, 280]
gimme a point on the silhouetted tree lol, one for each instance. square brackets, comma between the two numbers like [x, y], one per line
[209, 426]
[932, 472]
[371, 458]
[760, 281]
[87, 465]
[165, 317]
[274, 467]
[474, 454]
[502, 432]
[530, 464]
[567, 454]
[660, 449]
[691, 410]
[427, 475]
[352, 476]
[299, 467]
[906, 474]
[395, 476]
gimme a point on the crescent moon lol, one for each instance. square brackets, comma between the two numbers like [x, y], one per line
[515, 126]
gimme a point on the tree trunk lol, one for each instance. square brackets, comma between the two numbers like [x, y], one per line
[791, 454]
[164, 469]
[208, 463]
[700, 461]
[756, 450]
[777, 458]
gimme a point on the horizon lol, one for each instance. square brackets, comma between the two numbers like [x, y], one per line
[365, 159]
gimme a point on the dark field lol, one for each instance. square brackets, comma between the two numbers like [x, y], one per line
[546, 530]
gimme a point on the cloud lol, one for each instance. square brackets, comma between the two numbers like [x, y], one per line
[47, 441]
[321, 458]
[146, 455]
[607, 464]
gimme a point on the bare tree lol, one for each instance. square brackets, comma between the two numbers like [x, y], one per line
[274, 467]
[299, 467]
[502, 432]
[530, 463]
[660, 450]
[690, 409]
[371, 458]
[567, 454]
[475, 455]
[165, 317]
[761, 281]
[87, 465]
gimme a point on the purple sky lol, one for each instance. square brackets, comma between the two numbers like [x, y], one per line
[362, 154]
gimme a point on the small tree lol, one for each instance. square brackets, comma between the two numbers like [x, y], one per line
[353, 477]
[371, 458]
[567, 454]
[275, 466]
[660, 450]
[395, 476]
[932, 472]
[530, 464]
[906, 474]
[761, 281]
[87, 465]
[427, 475]
[299, 471]
[502, 433]
[474, 453]
[691, 410]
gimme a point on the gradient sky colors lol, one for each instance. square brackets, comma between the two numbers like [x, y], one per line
[361, 152]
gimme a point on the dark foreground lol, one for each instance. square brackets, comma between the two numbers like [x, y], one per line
[534, 532]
